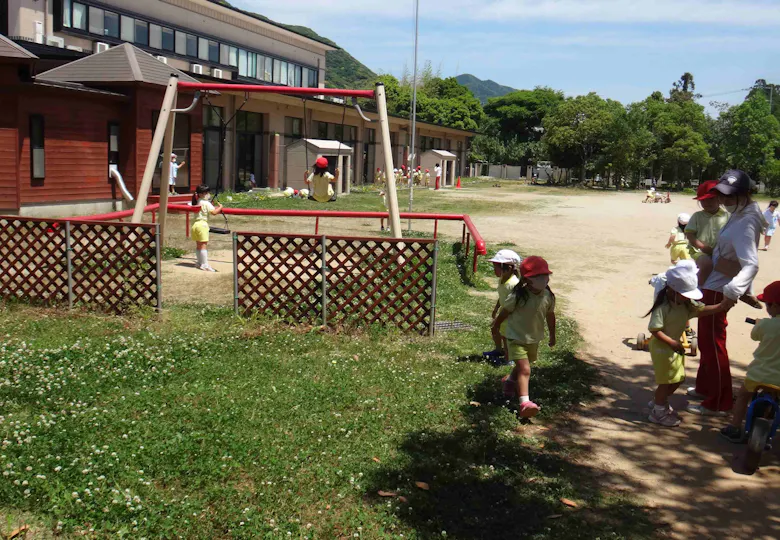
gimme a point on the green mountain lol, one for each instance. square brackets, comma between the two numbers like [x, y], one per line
[484, 90]
[342, 69]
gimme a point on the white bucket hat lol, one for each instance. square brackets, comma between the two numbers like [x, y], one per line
[683, 280]
[506, 256]
[684, 218]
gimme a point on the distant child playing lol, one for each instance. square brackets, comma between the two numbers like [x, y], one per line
[320, 182]
[526, 310]
[678, 242]
[200, 226]
[704, 228]
[772, 216]
[765, 367]
[505, 267]
[673, 307]
[174, 173]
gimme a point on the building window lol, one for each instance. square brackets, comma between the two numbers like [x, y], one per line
[214, 52]
[233, 57]
[181, 43]
[268, 71]
[113, 143]
[224, 54]
[293, 129]
[111, 24]
[155, 36]
[95, 20]
[277, 72]
[283, 76]
[291, 75]
[312, 78]
[242, 63]
[212, 115]
[128, 29]
[305, 77]
[167, 39]
[79, 16]
[298, 72]
[37, 156]
[66, 7]
[192, 46]
[203, 49]
[141, 32]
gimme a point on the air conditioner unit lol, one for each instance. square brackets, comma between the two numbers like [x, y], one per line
[217, 73]
[74, 48]
[55, 41]
[163, 59]
[197, 69]
[100, 47]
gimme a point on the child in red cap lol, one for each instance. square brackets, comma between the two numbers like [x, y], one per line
[526, 310]
[321, 181]
[765, 367]
[704, 227]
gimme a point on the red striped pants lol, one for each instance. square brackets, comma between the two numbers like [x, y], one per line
[714, 377]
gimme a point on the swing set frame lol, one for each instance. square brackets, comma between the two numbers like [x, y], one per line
[163, 137]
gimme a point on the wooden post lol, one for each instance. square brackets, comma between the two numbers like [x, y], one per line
[166, 170]
[384, 132]
[154, 151]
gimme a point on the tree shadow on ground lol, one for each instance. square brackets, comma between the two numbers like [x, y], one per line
[489, 478]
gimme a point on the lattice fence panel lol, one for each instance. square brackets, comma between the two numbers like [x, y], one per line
[32, 260]
[368, 280]
[114, 264]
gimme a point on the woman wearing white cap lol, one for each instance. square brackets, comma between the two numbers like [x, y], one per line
[674, 306]
[505, 267]
[735, 260]
[678, 242]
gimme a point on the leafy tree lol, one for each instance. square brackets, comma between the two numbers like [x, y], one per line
[577, 130]
[770, 91]
[753, 135]
[520, 114]
[683, 90]
[628, 146]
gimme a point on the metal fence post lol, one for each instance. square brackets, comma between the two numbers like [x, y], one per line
[158, 266]
[432, 328]
[69, 264]
[324, 264]
[235, 273]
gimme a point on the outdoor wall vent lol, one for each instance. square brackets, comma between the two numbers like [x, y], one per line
[217, 73]
[163, 59]
[101, 47]
[197, 69]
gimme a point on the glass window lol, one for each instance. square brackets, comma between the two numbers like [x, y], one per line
[312, 78]
[277, 72]
[37, 157]
[260, 66]
[242, 63]
[141, 32]
[211, 116]
[203, 49]
[128, 29]
[283, 78]
[79, 16]
[95, 20]
[298, 72]
[113, 143]
[253, 65]
[322, 130]
[155, 36]
[305, 77]
[192, 46]
[293, 127]
[213, 52]
[111, 24]
[167, 39]
[181, 43]
[268, 71]
[291, 75]
[253, 122]
[233, 57]
[224, 54]
[66, 7]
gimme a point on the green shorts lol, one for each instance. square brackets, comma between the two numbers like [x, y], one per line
[520, 351]
[669, 366]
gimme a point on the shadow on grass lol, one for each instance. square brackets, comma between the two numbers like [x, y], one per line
[490, 479]
[463, 262]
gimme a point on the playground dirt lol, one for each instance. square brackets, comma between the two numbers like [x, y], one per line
[603, 248]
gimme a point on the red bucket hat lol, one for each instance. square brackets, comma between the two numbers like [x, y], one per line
[705, 192]
[771, 294]
[321, 162]
[534, 266]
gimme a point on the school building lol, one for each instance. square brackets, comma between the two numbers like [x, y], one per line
[83, 83]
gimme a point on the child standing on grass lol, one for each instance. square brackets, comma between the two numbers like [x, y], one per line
[200, 226]
[704, 228]
[765, 367]
[674, 306]
[526, 310]
[505, 267]
[678, 242]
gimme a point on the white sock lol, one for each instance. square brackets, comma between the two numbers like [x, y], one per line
[198, 258]
[204, 257]
[524, 399]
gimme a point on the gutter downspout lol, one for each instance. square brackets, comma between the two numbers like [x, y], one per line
[113, 172]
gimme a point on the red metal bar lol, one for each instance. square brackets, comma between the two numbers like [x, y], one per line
[435, 229]
[154, 217]
[468, 243]
[479, 243]
[257, 88]
[317, 226]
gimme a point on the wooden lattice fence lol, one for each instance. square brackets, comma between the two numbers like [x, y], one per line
[337, 280]
[108, 265]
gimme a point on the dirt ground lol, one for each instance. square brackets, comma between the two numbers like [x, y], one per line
[603, 248]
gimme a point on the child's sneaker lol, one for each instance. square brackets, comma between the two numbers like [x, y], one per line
[493, 354]
[529, 409]
[207, 268]
[700, 410]
[509, 386]
[663, 418]
[651, 406]
[733, 434]
[692, 393]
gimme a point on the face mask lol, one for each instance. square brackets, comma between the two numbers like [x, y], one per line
[730, 207]
[539, 283]
[207, 197]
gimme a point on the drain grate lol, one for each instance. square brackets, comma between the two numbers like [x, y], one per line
[446, 326]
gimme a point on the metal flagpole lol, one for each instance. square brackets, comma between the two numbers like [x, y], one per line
[413, 154]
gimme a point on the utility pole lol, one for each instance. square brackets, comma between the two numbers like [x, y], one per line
[413, 154]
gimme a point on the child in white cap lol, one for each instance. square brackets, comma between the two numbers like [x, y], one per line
[674, 306]
[678, 242]
[505, 264]
[173, 173]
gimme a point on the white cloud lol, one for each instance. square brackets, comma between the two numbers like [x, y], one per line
[371, 12]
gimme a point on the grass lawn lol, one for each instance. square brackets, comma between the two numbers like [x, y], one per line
[204, 425]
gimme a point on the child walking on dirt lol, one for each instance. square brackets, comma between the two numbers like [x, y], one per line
[765, 367]
[505, 267]
[678, 242]
[772, 216]
[674, 306]
[526, 310]
[704, 228]
[200, 226]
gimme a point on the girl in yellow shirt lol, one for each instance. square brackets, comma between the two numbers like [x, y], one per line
[678, 242]
[505, 267]
[200, 226]
[320, 182]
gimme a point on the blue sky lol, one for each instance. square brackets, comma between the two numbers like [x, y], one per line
[622, 49]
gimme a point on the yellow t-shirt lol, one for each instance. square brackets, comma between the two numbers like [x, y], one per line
[526, 321]
[765, 367]
[671, 319]
[707, 227]
[504, 290]
[321, 189]
[679, 237]
[205, 211]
